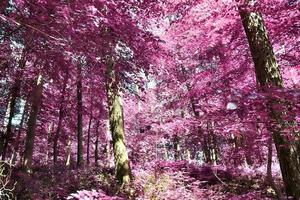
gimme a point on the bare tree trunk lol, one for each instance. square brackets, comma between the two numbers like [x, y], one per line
[49, 133]
[69, 152]
[270, 179]
[176, 143]
[29, 144]
[116, 121]
[89, 139]
[17, 141]
[97, 143]
[60, 120]
[268, 74]
[79, 117]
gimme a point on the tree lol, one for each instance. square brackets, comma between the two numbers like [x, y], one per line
[268, 75]
[60, 119]
[30, 134]
[116, 122]
[79, 117]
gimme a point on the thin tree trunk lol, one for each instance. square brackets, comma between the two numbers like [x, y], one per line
[90, 123]
[96, 151]
[97, 143]
[49, 132]
[116, 120]
[89, 139]
[10, 112]
[60, 120]
[270, 179]
[269, 165]
[176, 143]
[79, 117]
[268, 74]
[29, 144]
[166, 152]
[69, 151]
[107, 151]
[17, 141]
[188, 155]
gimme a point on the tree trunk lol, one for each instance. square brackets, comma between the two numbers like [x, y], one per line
[269, 164]
[96, 151]
[89, 139]
[176, 145]
[17, 141]
[47, 146]
[269, 178]
[166, 152]
[97, 144]
[268, 74]
[69, 152]
[188, 155]
[79, 118]
[116, 121]
[10, 112]
[60, 120]
[30, 135]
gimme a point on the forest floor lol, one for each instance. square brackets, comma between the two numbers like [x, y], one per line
[167, 180]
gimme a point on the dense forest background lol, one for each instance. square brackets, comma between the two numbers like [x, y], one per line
[150, 99]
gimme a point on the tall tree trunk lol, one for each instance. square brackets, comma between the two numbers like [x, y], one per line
[10, 112]
[69, 151]
[89, 139]
[89, 127]
[269, 178]
[269, 164]
[79, 117]
[17, 141]
[60, 120]
[30, 135]
[96, 151]
[268, 74]
[97, 143]
[49, 133]
[116, 121]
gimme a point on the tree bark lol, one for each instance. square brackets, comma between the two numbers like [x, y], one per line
[89, 139]
[30, 135]
[60, 120]
[269, 178]
[97, 143]
[176, 145]
[17, 141]
[268, 74]
[69, 152]
[47, 146]
[79, 117]
[116, 121]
